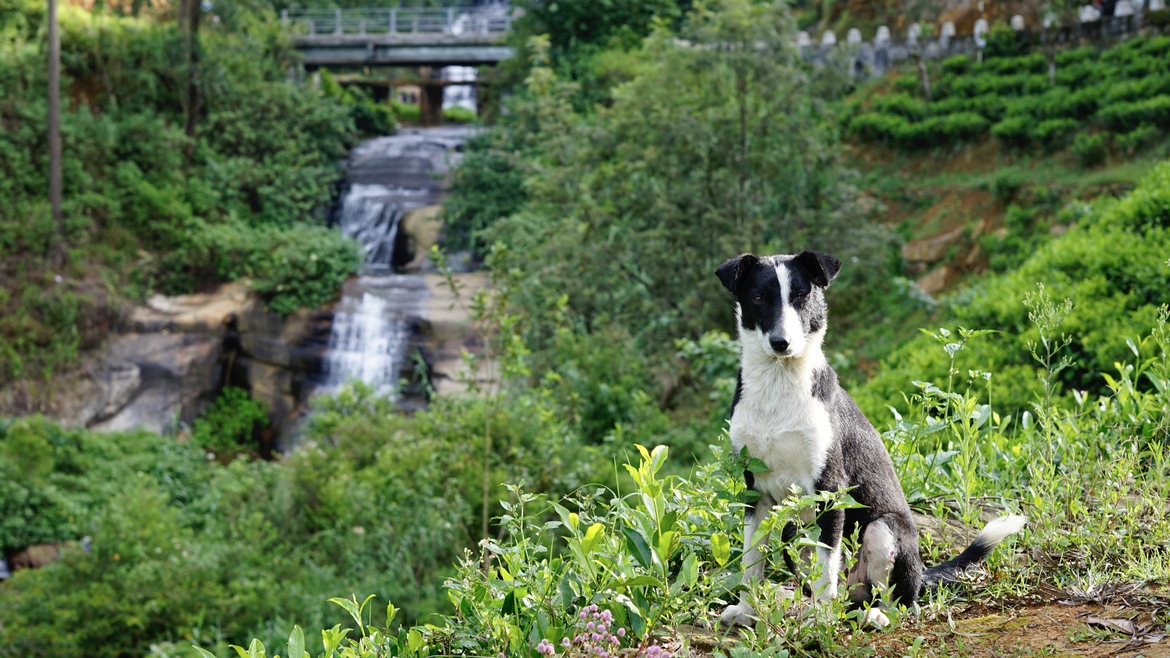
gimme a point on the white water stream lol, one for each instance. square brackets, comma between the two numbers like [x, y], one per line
[372, 325]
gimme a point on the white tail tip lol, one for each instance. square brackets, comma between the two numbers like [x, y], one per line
[999, 529]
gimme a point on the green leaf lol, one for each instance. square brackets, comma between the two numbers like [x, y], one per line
[352, 608]
[721, 548]
[689, 573]
[204, 653]
[414, 640]
[639, 581]
[638, 546]
[509, 607]
[592, 536]
[296, 643]
[666, 545]
[756, 466]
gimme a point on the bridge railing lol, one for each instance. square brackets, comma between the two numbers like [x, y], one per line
[400, 20]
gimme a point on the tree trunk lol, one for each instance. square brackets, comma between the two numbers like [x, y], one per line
[923, 75]
[1051, 60]
[54, 129]
[189, 15]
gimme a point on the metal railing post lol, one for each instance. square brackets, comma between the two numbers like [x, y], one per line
[450, 19]
[284, 16]
[337, 21]
[414, 22]
[393, 20]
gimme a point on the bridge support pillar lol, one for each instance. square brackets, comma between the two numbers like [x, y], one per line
[431, 105]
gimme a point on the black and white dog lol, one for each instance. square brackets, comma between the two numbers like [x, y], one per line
[790, 412]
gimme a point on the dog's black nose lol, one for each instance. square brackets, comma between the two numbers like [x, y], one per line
[779, 345]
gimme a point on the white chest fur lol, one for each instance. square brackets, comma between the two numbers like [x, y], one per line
[782, 423]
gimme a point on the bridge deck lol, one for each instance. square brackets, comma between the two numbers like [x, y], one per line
[450, 36]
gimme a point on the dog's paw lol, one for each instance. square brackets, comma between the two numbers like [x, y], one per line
[875, 618]
[740, 614]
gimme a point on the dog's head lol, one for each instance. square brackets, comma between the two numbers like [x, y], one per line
[780, 300]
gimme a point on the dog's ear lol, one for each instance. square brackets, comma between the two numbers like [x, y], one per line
[733, 270]
[822, 268]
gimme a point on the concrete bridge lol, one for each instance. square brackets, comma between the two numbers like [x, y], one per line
[401, 36]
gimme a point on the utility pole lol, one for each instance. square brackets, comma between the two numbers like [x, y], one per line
[55, 134]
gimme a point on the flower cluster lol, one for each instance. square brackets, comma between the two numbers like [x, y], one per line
[596, 637]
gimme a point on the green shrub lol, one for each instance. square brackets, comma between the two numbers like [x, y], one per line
[1014, 130]
[369, 117]
[1004, 42]
[1137, 138]
[1091, 149]
[302, 266]
[1127, 116]
[1111, 263]
[230, 424]
[884, 128]
[900, 104]
[957, 65]
[411, 113]
[1052, 133]
[459, 115]
[487, 185]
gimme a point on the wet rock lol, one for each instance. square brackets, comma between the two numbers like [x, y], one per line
[445, 333]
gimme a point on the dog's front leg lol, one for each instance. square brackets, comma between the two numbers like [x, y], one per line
[832, 525]
[753, 563]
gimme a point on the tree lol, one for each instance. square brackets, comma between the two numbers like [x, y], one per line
[716, 148]
[189, 15]
[54, 130]
[917, 14]
[1055, 15]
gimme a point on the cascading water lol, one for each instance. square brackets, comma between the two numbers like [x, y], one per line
[388, 177]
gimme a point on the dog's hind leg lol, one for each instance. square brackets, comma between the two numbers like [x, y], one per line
[753, 563]
[879, 549]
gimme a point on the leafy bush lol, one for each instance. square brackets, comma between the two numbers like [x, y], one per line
[459, 115]
[230, 423]
[1121, 88]
[1137, 138]
[301, 266]
[1091, 149]
[369, 117]
[1128, 116]
[1111, 264]
[411, 113]
[140, 193]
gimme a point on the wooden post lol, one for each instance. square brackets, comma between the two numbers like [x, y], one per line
[54, 129]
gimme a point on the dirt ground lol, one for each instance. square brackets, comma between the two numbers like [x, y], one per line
[1114, 620]
[1130, 626]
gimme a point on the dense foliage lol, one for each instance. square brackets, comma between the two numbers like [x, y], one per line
[719, 144]
[1124, 90]
[148, 206]
[186, 549]
[636, 571]
[1111, 264]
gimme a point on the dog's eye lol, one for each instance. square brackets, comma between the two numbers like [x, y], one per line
[802, 294]
[757, 299]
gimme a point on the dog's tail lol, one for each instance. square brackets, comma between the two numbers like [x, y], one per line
[988, 538]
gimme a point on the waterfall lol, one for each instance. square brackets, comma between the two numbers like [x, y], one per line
[373, 323]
